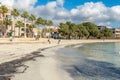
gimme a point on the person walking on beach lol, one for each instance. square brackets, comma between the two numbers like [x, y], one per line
[59, 41]
[49, 41]
[35, 36]
[11, 36]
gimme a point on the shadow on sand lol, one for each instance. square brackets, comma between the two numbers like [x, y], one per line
[8, 69]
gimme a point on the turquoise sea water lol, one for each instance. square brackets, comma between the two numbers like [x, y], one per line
[93, 61]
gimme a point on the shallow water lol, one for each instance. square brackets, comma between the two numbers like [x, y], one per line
[93, 61]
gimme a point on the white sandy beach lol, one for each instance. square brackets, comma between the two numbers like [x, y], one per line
[49, 68]
[44, 68]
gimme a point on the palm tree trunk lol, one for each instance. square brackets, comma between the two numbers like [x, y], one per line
[19, 32]
[13, 26]
[25, 28]
[32, 30]
[32, 35]
[3, 33]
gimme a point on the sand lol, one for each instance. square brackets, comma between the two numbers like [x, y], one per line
[45, 68]
[48, 68]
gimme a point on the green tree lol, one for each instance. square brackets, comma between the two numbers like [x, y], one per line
[49, 23]
[91, 28]
[107, 32]
[19, 24]
[39, 21]
[7, 22]
[3, 11]
[30, 30]
[66, 29]
[81, 31]
[15, 13]
[101, 34]
[25, 15]
[63, 30]
[32, 18]
[70, 27]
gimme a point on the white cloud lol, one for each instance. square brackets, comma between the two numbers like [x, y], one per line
[115, 13]
[54, 10]
[90, 12]
[46, 11]
[62, 14]
[21, 4]
[8, 2]
[60, 2]
[96, 12]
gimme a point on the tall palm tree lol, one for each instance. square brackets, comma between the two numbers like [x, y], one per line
[0, 21]
[19, 24]
[39, 21]
[15, 13]
[32, 18]
[0, 12]
[3, 11]
[30, 30]
[25, 15]
[49, 23]
[7, 22]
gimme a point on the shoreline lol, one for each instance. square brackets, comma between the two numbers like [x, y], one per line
[47, 68]
[9, 69]
[8, 72]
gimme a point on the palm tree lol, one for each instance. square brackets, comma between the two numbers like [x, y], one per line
[32, 18]
[30, 30]
[39, 21]
[19, 24]
[25, 15]
[0, 12]
[49, 23]
[15, 13]
[7, 22]
[0, 21]
[3, 11]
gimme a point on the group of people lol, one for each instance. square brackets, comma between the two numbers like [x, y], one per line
[50, 41]
[36, 36]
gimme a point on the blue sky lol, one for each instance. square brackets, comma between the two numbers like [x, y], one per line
[69, 4]
[73, 3]
[104, 12]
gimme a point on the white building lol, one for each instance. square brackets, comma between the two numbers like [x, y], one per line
[117, 32]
